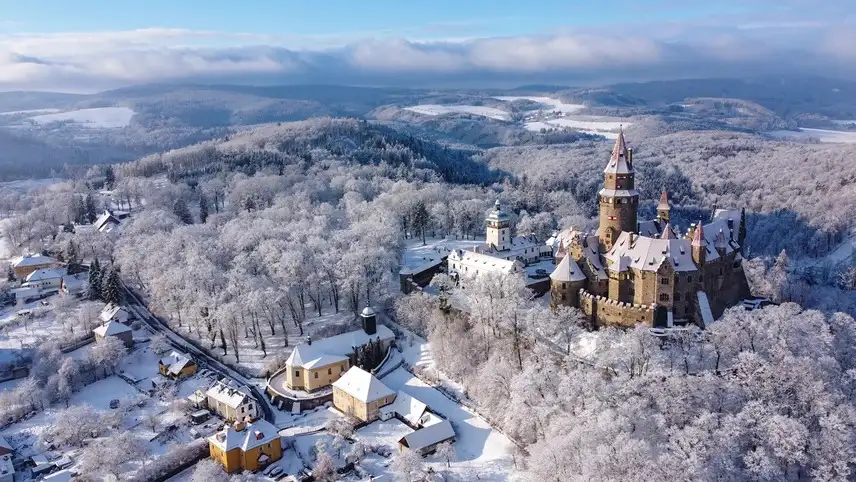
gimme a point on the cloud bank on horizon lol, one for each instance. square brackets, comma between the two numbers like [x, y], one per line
[93, 61]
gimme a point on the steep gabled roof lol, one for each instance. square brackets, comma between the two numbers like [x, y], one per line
[428, 436]
[619, 162]
[254, 434]
[111, 328]
[567, 270]
[32, 260]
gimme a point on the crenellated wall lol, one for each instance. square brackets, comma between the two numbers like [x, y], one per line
[605, 312]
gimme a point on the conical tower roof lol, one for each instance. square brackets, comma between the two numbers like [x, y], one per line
[698, 235]
[667, 232]
[619, 162]
[664, 202]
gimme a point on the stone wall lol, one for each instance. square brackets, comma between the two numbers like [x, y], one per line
[606, 312]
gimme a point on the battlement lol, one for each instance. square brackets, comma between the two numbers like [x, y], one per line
[605, 311]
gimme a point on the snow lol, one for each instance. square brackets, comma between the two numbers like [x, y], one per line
[430, 435]
[406, 407]
[111, 328]
[417, 257]
[822, 135]
[98, 118]
[335, 348]
[590, 123]
[704, 307]
[436, 109]
[362, 385]
[554, 104]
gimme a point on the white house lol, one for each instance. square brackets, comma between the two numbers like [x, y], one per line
[469, 264]
[75, 284]
[45, 279]
[115, 329]
[232, 402]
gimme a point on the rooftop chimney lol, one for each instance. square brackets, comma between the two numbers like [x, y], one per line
[238, 426]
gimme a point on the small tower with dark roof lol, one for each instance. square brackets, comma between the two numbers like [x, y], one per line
[369, 319]
[618, 200]
[498, 233]
[664, 207]
[699, 246]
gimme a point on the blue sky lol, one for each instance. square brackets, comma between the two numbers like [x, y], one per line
[87, 45]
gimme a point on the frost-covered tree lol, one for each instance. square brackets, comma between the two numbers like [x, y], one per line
[407, 466]
[208, 470]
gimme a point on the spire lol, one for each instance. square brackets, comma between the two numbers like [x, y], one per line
[698, 235]
[496, 205]
[667, 232]
[664, 202]
[619, 162]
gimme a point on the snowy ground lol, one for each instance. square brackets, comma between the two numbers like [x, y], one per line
[550, 103]
[31, 111]
[98, 118]
[602, 126]
[436, 109]
[417, 255]
[822, 135]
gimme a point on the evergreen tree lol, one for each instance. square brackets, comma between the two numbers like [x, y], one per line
[94, 280]
[741, 232]
[91, 210]
[111, 288]
[109, 177]
[203, 209]
[10, 274]
[78, 210]
[181, 211]
[70, 252]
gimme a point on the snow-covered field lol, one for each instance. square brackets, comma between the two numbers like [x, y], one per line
[436, 109]
[553, 104]
[97, 118]
[822, 135]
[603, 126]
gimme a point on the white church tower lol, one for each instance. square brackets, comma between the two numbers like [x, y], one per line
[498, 228]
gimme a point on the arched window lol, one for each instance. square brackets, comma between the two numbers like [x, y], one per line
[664, 297]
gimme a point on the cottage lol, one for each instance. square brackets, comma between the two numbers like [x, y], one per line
[360, 394]
[176, 365]
[24, 265]
[75, 284]
[316, 365]
[246, 445]
[425, 440]
[107, 222]
[115, 313]
[45, 279]
[231, 401]
[115, 329]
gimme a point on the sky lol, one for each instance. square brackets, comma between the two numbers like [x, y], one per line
[88, 45]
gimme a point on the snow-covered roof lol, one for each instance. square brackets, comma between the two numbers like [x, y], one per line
[113, 312]
[111, 328]
[5, 446]
[32, 260]
[619, 162]
[428, 436]
[76, 281]
[106, 219]
[367, 311]
[44, 274]
[334, 349]
[564, 237]
[618, 192]
[648, 254]
[61, 476]
[6, 466]
[498, 214]
[362, 385]
[567, 270]
[485, 262]
[229, 393]
[252, 435]
[592, 256]
[176, 361]
[407, 407]
[704, 308]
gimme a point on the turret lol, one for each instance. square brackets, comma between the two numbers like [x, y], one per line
[699, 247]
[618, 200]
[498, 232]
[369, 320]
[664, 207]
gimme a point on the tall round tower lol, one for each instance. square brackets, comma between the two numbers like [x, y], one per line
[618, 199]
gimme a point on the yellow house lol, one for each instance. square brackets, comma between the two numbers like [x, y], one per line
[24, 265]
[360, 394]
[176, 365]
[246, 445]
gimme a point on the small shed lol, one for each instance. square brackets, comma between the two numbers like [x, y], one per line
[200, 416]
[425, 440]
[115, 329]
[116, 313]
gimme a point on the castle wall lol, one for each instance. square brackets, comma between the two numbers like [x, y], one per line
[606, 312]
[565, 293]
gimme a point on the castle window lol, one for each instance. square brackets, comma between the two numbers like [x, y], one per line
[329, 371]
[316, 374]
[664, 297]
[664, 281]
[297, 373]
[689, 279]
[563, 285]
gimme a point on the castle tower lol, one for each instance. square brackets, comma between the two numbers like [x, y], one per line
[498, 232]
[699, 247]
[618, 199]
[664, 207]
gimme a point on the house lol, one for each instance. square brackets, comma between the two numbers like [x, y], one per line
[360, 394]
[425, 440]
[107, 222]
[75, 284]
[116, 329]
[7, 469]
[316, 365]
[231, 401]
[176, 365]
[45, 279]
[198, 399]
[246, 445]
[24, 265]
[25, 294]
[5, 447]
[115, 313]
[60, 476]
[409, 409]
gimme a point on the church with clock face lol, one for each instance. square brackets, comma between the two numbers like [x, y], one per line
[630, 272]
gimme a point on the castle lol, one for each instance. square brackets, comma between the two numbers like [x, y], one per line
[632, 272]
